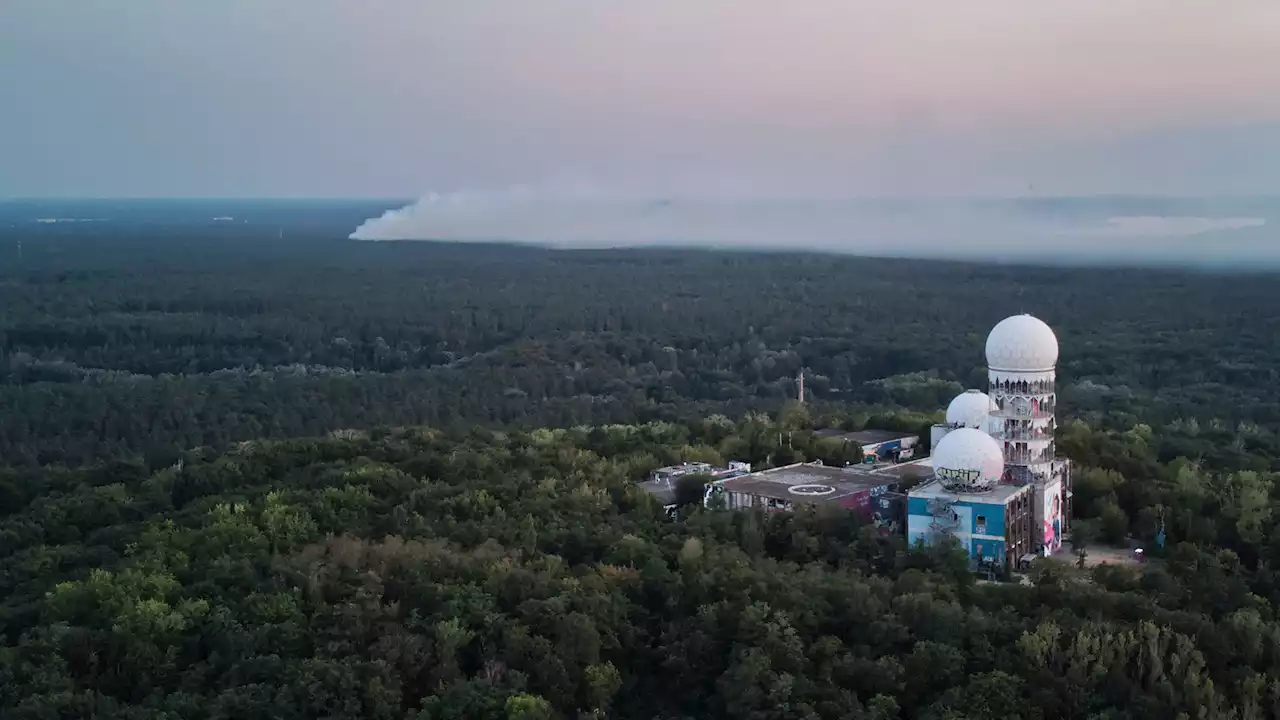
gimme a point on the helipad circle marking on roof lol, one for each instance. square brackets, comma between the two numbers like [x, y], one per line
[811, 489]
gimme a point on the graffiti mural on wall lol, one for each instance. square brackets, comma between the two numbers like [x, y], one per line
[713, 496]
[883, 517]
[949, 519]
[884, 523]
[968, 477]
[1053, 518]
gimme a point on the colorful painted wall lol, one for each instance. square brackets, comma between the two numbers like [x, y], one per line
[1052, 517]
[987, 550]
[979, 527]
[862, 501]
[988, 519]
[924, 524]
[889, 513]
[885, 449]
[979, 518]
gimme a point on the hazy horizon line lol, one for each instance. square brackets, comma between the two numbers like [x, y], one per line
[653, 195]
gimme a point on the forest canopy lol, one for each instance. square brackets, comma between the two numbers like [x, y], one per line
[422, 574]
[250, 470]
[144, 339]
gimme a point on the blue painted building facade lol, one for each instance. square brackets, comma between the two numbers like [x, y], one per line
[986, 525]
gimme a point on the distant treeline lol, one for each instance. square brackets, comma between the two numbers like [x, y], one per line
[147, 339]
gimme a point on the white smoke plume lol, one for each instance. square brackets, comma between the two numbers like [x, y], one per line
[964, 229]
[1156, 226]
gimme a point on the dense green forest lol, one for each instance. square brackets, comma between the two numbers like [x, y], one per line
[250, 470]
[139, 339]
[423, 574]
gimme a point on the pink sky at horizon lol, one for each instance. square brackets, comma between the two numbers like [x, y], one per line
[401, 97]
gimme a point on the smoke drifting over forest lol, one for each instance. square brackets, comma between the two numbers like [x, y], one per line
[1142, 230]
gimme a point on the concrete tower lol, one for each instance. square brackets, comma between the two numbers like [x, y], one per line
[1022, 355]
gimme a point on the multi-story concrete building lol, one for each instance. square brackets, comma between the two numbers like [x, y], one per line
[1030, 490]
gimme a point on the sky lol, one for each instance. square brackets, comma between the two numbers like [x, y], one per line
[400, 98]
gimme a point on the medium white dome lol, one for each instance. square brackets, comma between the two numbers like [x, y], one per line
[968, 458]
[1022, 343]
[970, 409]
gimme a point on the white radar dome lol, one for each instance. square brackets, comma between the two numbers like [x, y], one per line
[969, 460]
[970, 409]
[1022, 343]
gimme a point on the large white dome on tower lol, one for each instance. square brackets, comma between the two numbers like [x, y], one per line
[1022, 343]
[968, 459]
[970, 409]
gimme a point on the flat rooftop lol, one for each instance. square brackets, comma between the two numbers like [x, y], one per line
[865, 437]
[921, 469]
[689, 467]
[807, 483]
[665, 492]
[999, 495]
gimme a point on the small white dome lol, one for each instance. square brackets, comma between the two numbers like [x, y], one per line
[1022, 343]
[968, 459]
[970, 409]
